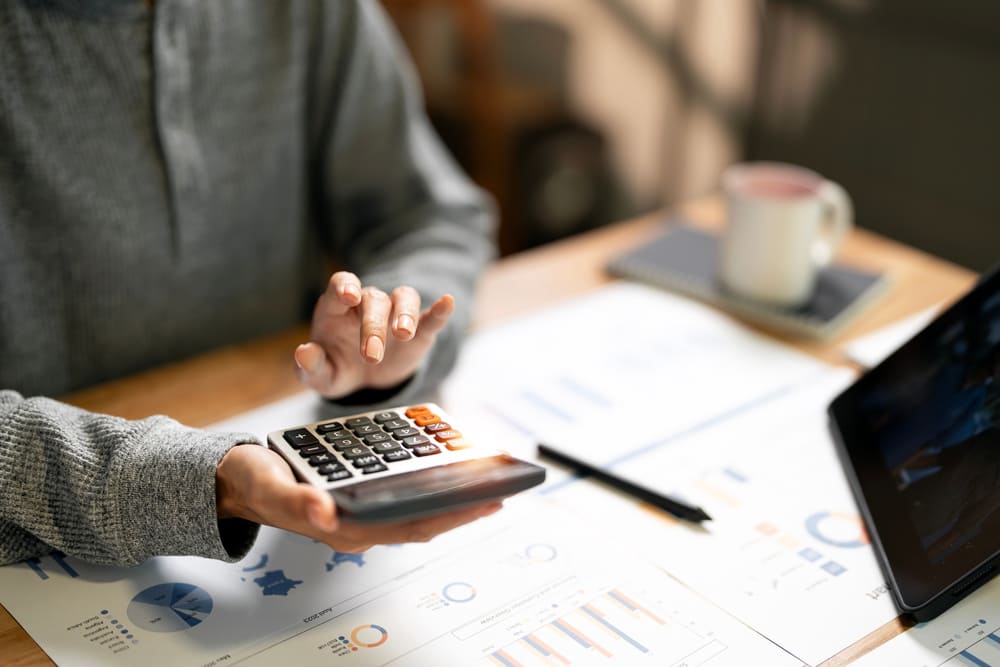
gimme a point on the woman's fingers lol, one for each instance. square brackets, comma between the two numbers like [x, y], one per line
[405, 312]
[375, 309]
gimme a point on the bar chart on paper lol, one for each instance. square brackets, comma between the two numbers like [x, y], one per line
[967, 635]
[615, 623]
[984, 653]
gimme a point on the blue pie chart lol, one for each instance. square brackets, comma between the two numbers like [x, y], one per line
[170, 607]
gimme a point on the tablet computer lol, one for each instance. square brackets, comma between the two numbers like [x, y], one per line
[919, 438]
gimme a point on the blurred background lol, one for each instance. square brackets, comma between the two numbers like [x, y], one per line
[577, 113]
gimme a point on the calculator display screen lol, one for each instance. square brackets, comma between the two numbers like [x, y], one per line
[438, 488]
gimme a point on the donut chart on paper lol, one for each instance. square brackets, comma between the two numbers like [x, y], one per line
[369, 635]
[170, 607]
[458, 591]
[838, 529]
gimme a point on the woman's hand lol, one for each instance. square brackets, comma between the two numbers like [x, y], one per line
[256, 484]
[365, 338]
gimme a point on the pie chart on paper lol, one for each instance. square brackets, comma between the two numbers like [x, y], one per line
[170, 607]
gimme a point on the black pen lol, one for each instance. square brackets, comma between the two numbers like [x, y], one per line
[675, 507]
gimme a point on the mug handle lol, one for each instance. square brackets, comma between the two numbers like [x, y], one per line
[838, 219]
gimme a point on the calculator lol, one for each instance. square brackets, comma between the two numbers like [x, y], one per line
[402, 463]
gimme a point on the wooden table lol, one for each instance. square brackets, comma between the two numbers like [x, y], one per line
[231, 380]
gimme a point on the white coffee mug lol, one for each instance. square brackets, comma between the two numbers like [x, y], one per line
[784, 223]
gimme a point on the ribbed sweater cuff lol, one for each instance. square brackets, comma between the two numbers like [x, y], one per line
[166, 503]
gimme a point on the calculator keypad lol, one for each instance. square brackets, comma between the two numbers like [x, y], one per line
[373, 443]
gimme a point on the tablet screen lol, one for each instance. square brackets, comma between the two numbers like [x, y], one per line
[922, 433]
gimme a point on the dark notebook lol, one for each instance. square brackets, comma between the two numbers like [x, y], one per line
[684, 259]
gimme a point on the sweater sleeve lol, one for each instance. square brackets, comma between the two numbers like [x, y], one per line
[110, 490]
[397, 209]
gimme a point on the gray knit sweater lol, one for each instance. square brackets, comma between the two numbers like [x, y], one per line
[177, 178]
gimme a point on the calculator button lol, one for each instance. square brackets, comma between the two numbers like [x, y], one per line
[339, 475]
[311, 450]
[329, 468]
[340, 444]
[415, 441]
[382, 417]
[437, 426]
[387, 446]
[327, 427]
[393, 424]
[424, 420]
[355, 422]
[363, 461]
[336, 435]
[372, 438]
[448, 434]
[320, 459]
[458, 443]
[300, 437]
[426, 450]
[355, 452]
[405, 432]
[396, 455]
[365, 429]
[417, 410]
[375, 467]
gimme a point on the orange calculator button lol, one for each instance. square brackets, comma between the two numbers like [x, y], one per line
[458, 443]
[447, 434]
[426, 418]
[418, 410]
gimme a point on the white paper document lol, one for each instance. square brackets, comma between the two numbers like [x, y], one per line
[626, 359]
[530, 586]
[694, 405]
[967, 635]
[786, 551]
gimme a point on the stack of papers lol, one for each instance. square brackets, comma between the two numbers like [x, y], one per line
[664, 391]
